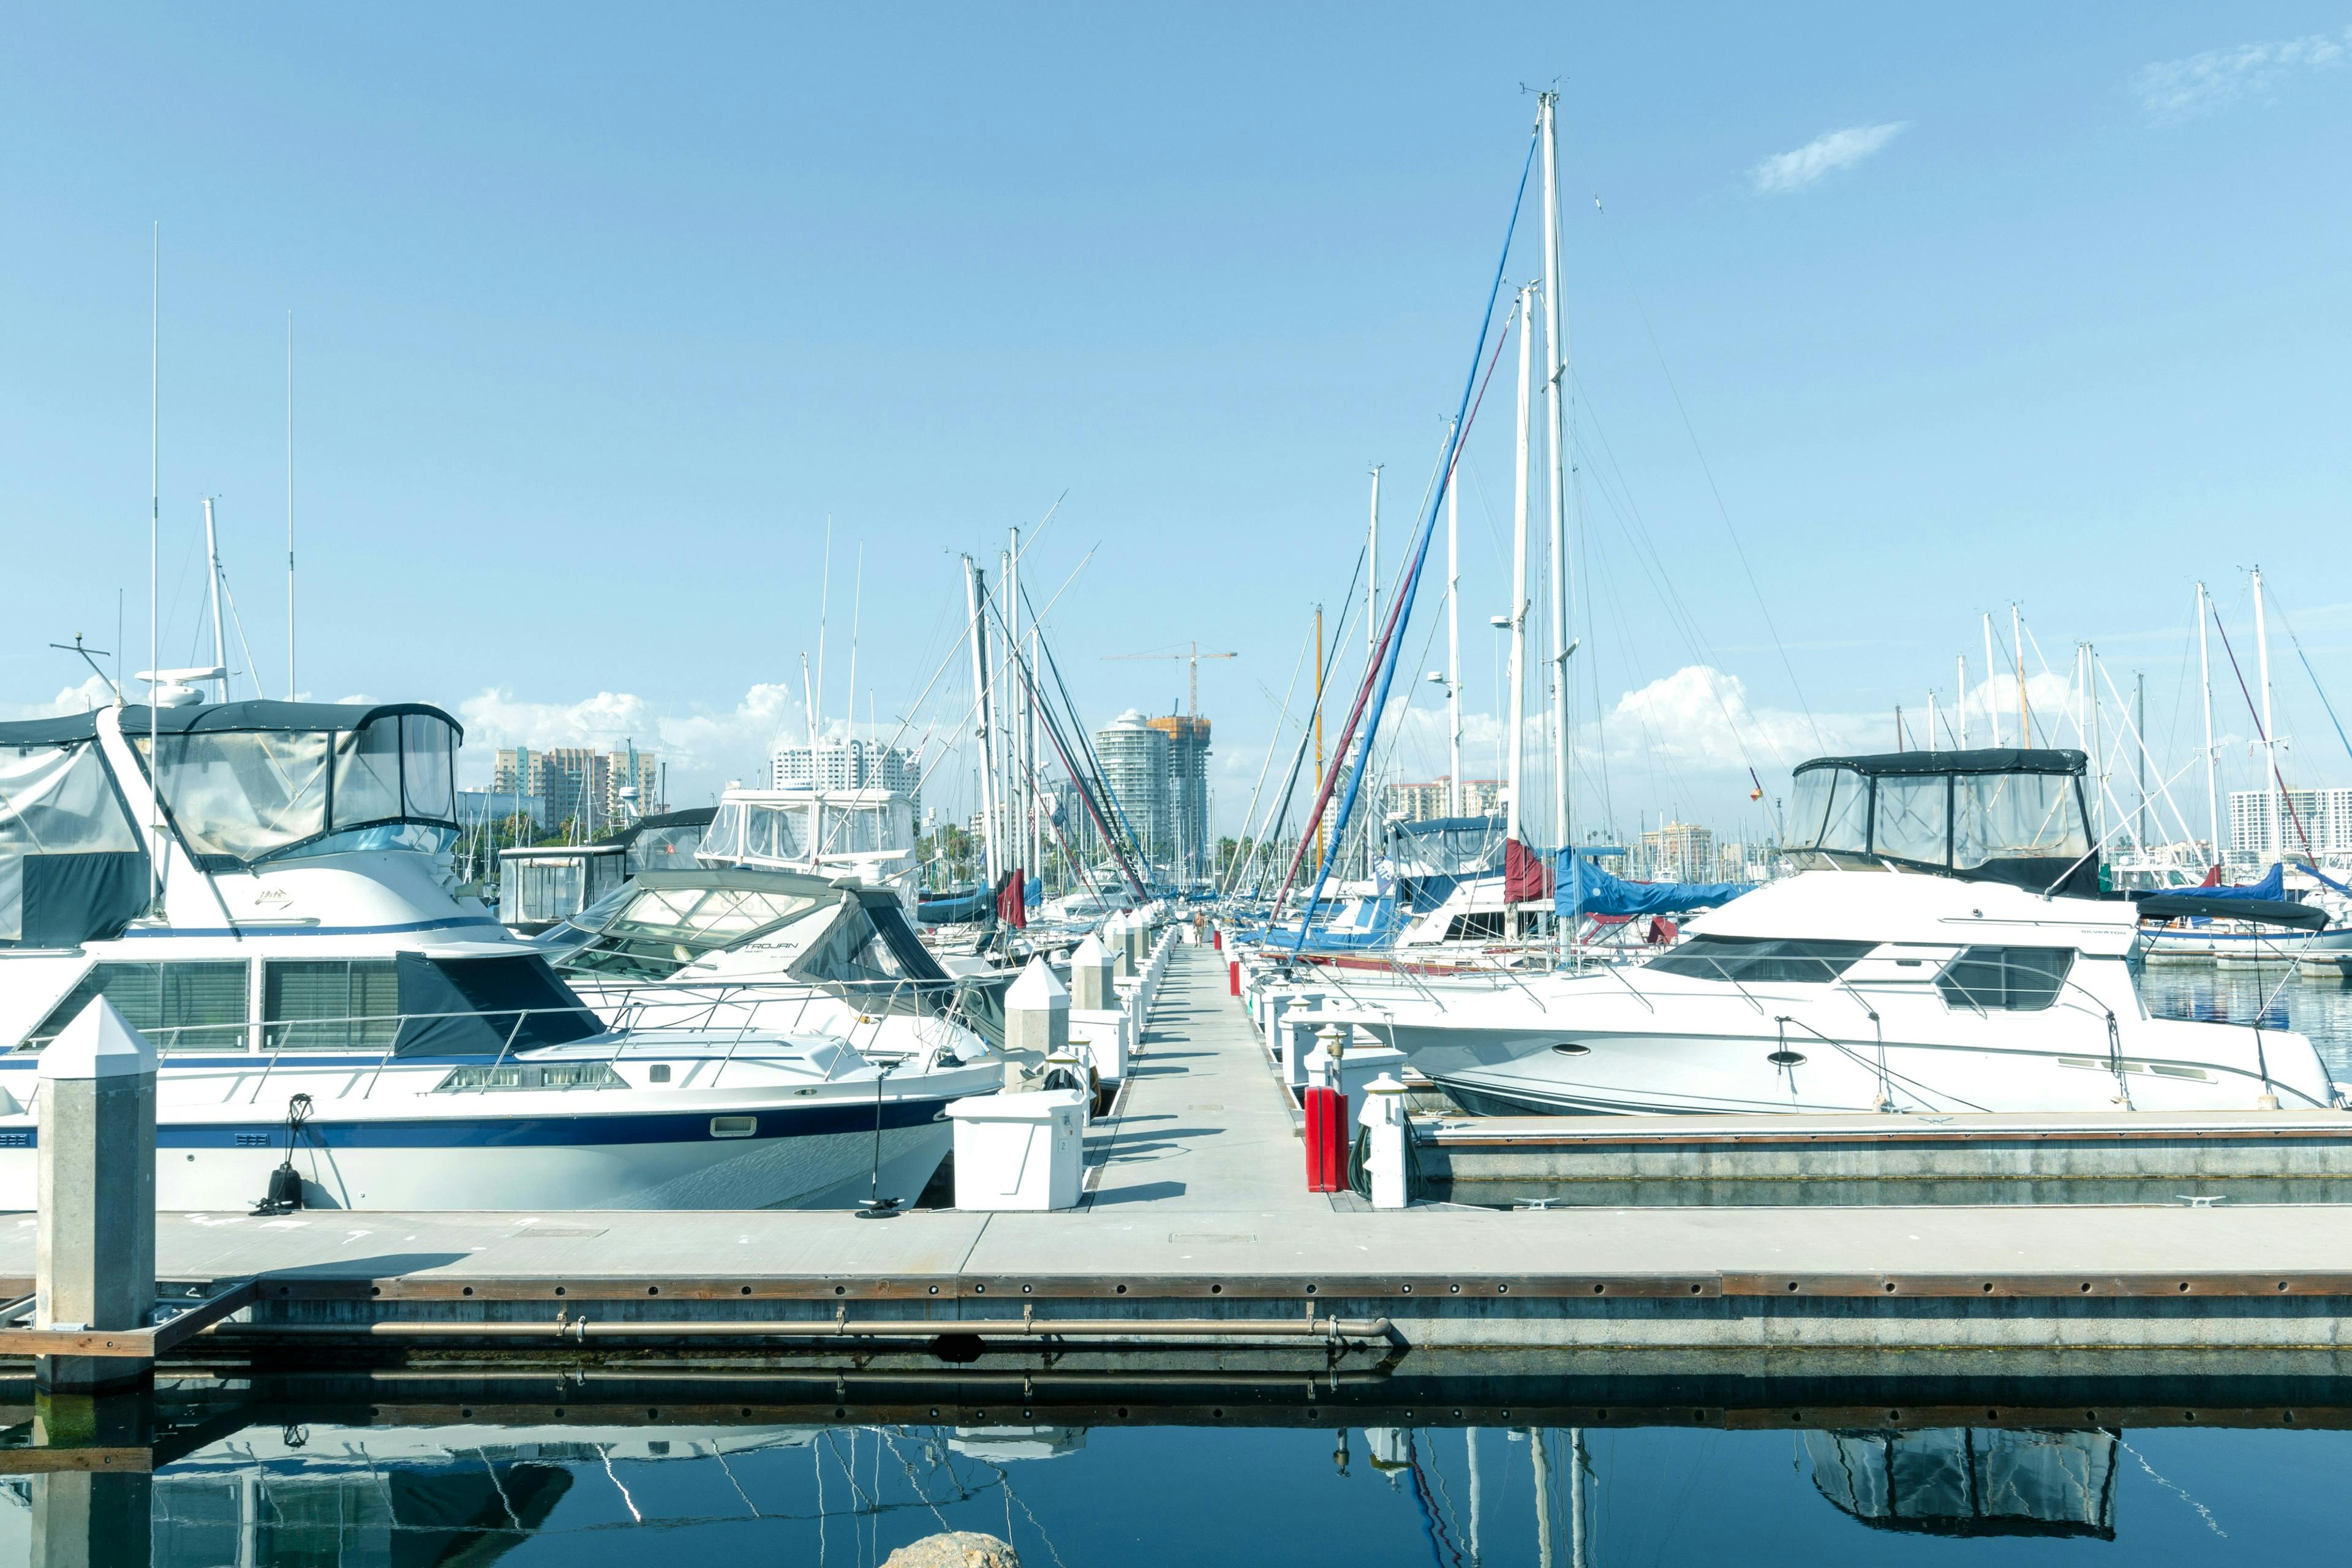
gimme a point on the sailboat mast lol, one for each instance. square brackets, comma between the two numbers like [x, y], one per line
[1960, 690]
[2205, 688]
[2271, 786]
[2017, 661]
[154, 530]
[973, 588]
[1017, 800]
[1318, 737]
[1515, 813]
[1556, 439]
[823, 615]
[212, 556]
[1993, 673]
[1372, 648]
[1452, 647]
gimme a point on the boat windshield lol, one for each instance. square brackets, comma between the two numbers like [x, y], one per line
[796, 829]
[240, 796]
[651, 933]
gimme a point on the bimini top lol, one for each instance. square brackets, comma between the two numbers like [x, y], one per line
[1982, 760]
[220, 718]
[1997, 814]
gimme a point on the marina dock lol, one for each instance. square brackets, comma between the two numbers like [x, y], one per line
[1197, 1231]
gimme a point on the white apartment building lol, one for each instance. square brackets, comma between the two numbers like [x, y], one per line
[2322, 816]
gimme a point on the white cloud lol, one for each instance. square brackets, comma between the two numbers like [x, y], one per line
[1699, 718]
[92, 692]
[2181, 89]
[1784, 172]
[703, 749]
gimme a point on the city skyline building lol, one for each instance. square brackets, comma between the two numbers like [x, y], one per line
[850, 763]
[596, 791]
[2317, 822]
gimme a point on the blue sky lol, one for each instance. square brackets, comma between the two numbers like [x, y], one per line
[600, 314]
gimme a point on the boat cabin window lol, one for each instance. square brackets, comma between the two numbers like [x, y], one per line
[2006, 979]
[72, 869]
[656, 931]
[1910, 818]
[1477, 925]
[184, 1006]
[1748, 960]
[330, 1004]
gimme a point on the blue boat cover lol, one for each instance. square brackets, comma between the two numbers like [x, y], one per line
[1584, 886]
[952, 909]
[2272, 887]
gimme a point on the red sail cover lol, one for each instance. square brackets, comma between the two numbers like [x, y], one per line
[1524, 875]
[1011, 907]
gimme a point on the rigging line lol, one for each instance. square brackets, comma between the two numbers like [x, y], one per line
[238, 621]
[2322, 690]
[2293, 815]
[1653, 565]
[2141, 742]
[1725, 512]
[1648, 556]
[1281, 723]
[1404, 600]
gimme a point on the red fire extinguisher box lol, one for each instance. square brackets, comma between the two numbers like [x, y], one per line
[1326, 1140]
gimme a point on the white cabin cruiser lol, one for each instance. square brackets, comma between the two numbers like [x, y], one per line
[864, 835]
[285, 931]
[1953, 955]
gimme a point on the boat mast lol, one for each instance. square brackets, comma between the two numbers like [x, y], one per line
[1017, 797]
[212, 556]
[2017, 662]
[155, 526]
[1555, 435]
[1452, 647]
[823, 615]
[1515, 814]
[1992, 674]
[1319, 736]
[2271, 786]
[289, 506]
[2205, 686]
[972, 590]
[1960, 690]
[1371, 648]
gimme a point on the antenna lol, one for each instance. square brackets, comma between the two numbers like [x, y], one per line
[856, 603]
[289, 506]
[155, 525]
[91, 656]
[823, 607]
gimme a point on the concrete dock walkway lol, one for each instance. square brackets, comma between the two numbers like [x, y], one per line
[1199, 1225]
[1202, 1124]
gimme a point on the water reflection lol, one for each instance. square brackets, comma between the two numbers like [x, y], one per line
[1663, 1473]
[2277, 997]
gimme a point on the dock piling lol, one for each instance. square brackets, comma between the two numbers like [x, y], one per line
[1036, 1019]
[95, 1263]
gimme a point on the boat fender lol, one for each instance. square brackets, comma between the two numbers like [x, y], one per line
[285, 1194]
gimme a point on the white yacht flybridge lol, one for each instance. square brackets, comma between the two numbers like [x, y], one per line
[1947, 950]
[279, 919]
[866, 835]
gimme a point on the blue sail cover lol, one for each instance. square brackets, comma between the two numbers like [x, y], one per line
[1583, 886]
[2270, 888]
[952, 909]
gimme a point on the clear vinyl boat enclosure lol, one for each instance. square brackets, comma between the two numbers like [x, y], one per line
[1998, 815]
[241, 784]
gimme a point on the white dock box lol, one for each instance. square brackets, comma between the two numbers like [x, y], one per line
[1019, 1151]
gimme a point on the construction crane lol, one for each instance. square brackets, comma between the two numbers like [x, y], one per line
[1192, 656]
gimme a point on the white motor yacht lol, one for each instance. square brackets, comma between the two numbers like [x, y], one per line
[1951, 954]
[280, 922]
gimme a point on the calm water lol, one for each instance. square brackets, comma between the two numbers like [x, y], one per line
[2309, 1005]
[1132, 1493]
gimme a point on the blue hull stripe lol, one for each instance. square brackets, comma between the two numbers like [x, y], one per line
[531, 1131]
